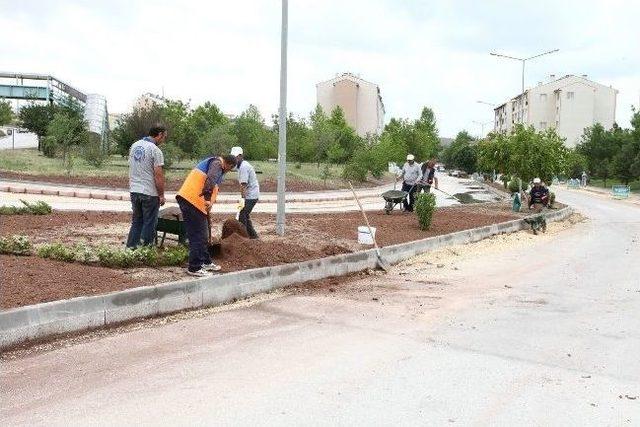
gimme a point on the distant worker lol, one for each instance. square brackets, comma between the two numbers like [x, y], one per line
[146, 186]
[249, 190]
[428, 178]
[538, 196]
[410, 174]
[583, 179]
[198, 192]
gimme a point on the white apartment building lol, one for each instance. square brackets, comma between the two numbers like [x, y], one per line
[359, 99]
[569, 104]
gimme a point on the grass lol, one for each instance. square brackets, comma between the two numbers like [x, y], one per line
[597, 182]
[32, 162]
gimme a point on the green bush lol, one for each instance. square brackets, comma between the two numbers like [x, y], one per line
[49, 147]
[115, 257]
[172, 154]
[93, 153]
[15, 245]
[37, 208]
[425, 206]
[552, 198]
[57, 251]
[513, 186]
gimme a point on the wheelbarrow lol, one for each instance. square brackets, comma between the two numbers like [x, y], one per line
[393, 197]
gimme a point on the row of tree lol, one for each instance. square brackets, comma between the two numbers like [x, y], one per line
[321, 138]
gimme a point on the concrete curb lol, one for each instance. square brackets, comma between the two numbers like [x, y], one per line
[32, 322]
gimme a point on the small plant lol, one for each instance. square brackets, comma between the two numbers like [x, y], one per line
[298, 165]
[513, 186]
[326, 173]
[173, 255]
[425, 206]
[37, 208]
[57, 251]
[15, 245]
[552, 198]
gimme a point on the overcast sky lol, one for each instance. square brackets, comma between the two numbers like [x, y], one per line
[433, 53]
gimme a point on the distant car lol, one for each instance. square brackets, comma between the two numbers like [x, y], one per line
[455, 173]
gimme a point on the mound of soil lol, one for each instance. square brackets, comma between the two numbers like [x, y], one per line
[242, 253]
[233, 226]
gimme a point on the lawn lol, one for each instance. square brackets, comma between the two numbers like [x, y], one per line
[34, 163]
[597, 182]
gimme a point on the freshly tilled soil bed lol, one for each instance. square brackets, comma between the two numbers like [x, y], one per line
[31, 280]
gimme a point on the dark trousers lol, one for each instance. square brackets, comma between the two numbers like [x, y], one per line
[144, 219]
[246, 220]
[425, 188]
[197, 228]
[411, 189]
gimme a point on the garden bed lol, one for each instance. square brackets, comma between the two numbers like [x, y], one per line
[31, 280]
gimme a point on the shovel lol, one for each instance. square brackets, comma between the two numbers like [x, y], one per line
[382, 263]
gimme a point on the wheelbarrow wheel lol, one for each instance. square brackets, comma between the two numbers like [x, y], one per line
[388, 207]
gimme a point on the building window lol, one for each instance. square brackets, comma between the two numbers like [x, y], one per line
[543, 97]
[569, 95]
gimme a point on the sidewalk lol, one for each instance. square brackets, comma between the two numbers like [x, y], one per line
[633, 198]
[61, 190]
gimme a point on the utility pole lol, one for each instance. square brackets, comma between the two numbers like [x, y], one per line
[282, 122]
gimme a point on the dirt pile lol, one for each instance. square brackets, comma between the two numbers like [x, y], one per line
[232, 226]
[244, 253]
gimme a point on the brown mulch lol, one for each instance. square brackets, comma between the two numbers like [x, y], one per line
[31, 280]
[267, 185]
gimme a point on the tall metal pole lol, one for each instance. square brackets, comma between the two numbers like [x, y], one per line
[282, 121]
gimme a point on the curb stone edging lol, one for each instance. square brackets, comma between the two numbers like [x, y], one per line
[22, 324]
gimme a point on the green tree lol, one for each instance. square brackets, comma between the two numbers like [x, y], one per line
[346, 141]
[461, 153]
[536, 154]
[575, 164]
[134, 126]
[6, 113]
[36, 118]
[67, 132]
[321, 134]
[217, 140]
[258, 142]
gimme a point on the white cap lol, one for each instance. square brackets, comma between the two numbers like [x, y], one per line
[410, 157]
[536, 180]
[236, 151]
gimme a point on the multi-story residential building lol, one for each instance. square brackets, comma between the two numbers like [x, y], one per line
[359, 99]
[569, 104]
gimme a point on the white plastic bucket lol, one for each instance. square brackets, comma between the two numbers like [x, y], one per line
[364, 237]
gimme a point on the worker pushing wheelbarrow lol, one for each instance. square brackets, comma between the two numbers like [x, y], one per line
[410, 174]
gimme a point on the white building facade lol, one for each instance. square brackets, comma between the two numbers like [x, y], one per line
[569, 104]
[359, 99]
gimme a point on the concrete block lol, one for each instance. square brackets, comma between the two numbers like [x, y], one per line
[98, 195]
[114, 197]
[33, 190]
[83, 194]
[178, 296]
[67, 193]
[314, 270]
[19, 190]
[360, 261]
[50, 192]
[4, 188]
[130, 304]
[260, 280]
[57, 317]
[214, 294]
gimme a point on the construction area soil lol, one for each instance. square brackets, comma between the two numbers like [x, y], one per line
[267, 185]
[30, 280]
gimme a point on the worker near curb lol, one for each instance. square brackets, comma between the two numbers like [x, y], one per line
[538, 196]
[198, 192]
[146, 186]
[410, 174]
[249, 190]
[428, 178]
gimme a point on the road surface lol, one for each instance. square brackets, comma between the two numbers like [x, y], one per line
[515, 330]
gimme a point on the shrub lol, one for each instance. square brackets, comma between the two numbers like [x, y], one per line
[115, 257]
[15, 245]
[37, 208]
[57, 251]
[93, 153]
[425, 206]
[172, 154]
[552, 198]
[513, 186]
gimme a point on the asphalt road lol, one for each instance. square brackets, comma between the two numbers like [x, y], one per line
[519, 329]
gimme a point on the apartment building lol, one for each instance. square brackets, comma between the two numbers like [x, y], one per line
[359, 99]
[569, 104]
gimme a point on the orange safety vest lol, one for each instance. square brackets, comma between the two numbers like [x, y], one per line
[192, 188]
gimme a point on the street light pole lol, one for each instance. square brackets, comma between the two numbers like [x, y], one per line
[282, 122]
[523, 60]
